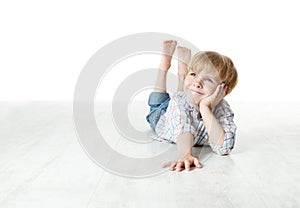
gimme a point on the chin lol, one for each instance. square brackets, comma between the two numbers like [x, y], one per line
[197, 102]
[197, 97]
[193, 97]
[194, 100]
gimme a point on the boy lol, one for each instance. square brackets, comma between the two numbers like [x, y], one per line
[197, 113]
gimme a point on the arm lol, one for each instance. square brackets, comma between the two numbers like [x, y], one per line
[181, 131]
[221, 131]
[215, 130]
[184, 145]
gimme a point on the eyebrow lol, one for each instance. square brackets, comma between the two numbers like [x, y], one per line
[205, 76]
[216, 79]
[208, 76]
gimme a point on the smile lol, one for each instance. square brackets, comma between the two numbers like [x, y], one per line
[199, 93]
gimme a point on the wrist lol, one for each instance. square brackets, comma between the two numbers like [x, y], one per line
[204, 106]
[181, 156]
[184, 145]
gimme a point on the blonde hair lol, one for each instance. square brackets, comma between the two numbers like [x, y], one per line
[223, 65]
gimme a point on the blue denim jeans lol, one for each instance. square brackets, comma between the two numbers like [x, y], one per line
[158, 102]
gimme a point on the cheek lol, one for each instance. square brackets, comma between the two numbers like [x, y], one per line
[211, 89]
[188, 81]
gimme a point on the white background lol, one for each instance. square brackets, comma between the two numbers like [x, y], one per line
[45, 44]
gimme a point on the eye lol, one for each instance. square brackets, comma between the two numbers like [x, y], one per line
[209, 80]
[193, 74]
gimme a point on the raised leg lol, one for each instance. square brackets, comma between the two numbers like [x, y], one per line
[184, 58]
[169, 47]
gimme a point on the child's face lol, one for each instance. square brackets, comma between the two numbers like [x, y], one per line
[200, 84]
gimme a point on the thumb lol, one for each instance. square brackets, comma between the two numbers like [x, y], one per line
[167, 164]
[197, 163]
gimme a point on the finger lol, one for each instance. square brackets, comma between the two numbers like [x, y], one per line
[197, 163]
[220, 91]
[217, 91]
[187, 165]
[178, 166]
[172, 166]
[222, 87]
[167, 164]
[215, 97]
[226, 89]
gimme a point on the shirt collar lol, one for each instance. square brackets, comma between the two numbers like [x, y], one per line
[189, 105]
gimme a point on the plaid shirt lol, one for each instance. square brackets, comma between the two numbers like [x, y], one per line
[182, 117]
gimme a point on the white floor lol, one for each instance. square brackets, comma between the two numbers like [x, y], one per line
[42, 163]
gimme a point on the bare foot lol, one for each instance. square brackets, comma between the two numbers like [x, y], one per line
[184, 58]
[169, 47]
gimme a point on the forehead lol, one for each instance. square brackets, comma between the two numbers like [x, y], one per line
[206, 70]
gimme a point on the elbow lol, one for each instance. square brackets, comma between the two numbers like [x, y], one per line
[224, 152]
[227, 146]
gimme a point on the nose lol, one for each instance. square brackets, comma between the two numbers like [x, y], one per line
[198, 83]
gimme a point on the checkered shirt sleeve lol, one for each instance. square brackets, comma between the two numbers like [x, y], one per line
[176, 120]
[224, 115]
